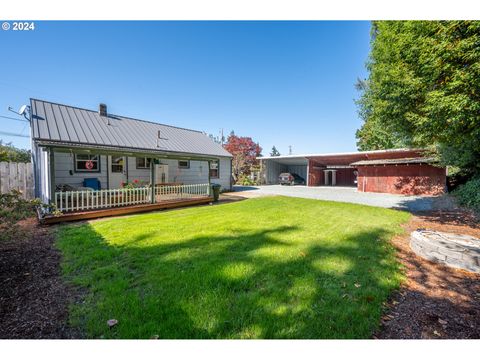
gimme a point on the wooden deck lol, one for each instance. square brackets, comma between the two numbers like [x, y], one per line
[116, 211]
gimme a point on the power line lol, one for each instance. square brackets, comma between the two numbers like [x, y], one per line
[11, 118]
[13, 134]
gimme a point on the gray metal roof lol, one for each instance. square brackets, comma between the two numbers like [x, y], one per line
[64, 124]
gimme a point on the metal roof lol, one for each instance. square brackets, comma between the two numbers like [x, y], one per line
[418, 160]
[306, 156]
[64, 124]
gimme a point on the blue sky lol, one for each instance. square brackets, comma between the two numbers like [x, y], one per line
[282, 83]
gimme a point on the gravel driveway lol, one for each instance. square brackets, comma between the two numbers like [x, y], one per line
[350, 195]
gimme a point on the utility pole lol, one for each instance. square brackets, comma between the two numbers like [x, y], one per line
[289, 149]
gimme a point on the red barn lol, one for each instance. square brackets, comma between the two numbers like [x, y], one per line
[397, 171]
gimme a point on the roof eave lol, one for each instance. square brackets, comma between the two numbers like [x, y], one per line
[386, 151]
[126, 150]
[395, 162]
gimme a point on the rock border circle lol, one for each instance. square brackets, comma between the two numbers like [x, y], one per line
[455, 250]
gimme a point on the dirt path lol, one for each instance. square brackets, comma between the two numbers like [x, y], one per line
[33, 297]
[436, 301]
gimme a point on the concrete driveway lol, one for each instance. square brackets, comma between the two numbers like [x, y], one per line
[350, 195]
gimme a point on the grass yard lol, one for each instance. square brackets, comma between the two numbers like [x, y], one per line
[272, 267]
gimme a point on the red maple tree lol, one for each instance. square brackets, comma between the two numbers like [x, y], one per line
[245, 152]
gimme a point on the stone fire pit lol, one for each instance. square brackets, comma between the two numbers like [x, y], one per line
[459, 251]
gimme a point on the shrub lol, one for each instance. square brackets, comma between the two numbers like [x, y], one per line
[469, 194]
[245, 180]
[14, 208]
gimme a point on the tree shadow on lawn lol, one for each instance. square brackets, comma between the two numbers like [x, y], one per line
[244, 285]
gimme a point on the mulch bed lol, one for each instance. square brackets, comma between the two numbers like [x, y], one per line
[33, 297]
[436, 301]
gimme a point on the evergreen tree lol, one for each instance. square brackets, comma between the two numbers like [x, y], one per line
[274, 151]
[423, 90]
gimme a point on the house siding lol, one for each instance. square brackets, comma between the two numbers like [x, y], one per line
[65, 171]
[225, 174]
[196, 174]
[133, 173]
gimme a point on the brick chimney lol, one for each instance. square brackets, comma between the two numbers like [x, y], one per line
[102, 109]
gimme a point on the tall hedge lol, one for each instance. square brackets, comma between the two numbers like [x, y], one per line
[423, 90]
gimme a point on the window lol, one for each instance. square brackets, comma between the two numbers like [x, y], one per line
[87, 163]
[184, 164]
[214, 169]
[118, 163]
[143, 163]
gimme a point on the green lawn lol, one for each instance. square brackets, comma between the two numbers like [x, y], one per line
[273, 267]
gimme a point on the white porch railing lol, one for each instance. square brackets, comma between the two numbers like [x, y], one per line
[172, 192]
[100, 199]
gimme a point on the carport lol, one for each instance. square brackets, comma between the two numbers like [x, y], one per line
[316, 169]
[273, 166]
[399, 171]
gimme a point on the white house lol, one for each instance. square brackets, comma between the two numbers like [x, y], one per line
[77, 149]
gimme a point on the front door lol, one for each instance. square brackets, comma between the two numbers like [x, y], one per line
[117, 173]
[161, 173]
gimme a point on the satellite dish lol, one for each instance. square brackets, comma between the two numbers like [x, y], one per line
[24, 110]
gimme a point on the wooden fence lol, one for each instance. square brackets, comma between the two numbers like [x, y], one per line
[17, 176]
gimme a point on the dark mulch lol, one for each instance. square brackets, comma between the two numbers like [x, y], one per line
[33, 297]
[436, 301]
